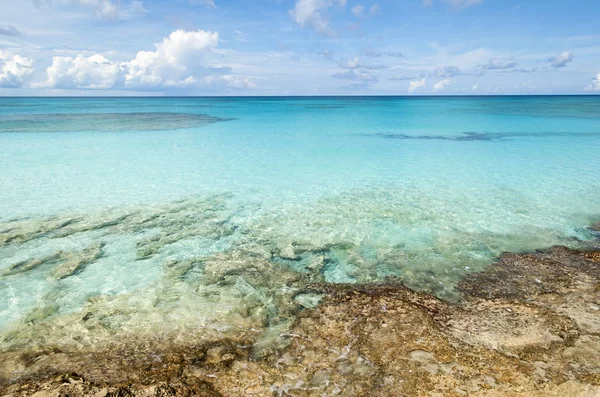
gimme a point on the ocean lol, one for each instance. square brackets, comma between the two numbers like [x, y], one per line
[177, 214]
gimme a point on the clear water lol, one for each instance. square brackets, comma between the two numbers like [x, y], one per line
[340, 190]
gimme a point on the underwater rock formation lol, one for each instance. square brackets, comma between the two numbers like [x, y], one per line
[76, 262]
[113, 122]
[528, 325]
[69, 262]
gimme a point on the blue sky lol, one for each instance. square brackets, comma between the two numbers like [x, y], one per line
[299, 47]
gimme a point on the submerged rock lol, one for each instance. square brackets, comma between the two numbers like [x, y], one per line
[595, 227]
[526, 276]
[30, 264]
[508, 337]
[41, 313]
[75, 262]
[247, 310]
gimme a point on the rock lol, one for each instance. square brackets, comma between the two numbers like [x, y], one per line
[30, 264]
[508, 337]
[77, 261]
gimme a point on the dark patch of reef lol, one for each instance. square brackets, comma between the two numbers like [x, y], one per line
[69, 122]
[528, 325]
[469, 136]
[481, 136]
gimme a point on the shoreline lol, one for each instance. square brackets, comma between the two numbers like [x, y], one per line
[528, 325]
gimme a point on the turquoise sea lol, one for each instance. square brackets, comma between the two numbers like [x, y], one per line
[179, 212]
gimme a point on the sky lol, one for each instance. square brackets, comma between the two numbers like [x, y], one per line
[299, 47]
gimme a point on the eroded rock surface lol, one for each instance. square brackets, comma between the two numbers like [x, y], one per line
[527, 326]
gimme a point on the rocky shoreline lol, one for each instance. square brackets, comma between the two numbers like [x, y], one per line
[528, 325]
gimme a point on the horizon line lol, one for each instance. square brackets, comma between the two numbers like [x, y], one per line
[303, 96]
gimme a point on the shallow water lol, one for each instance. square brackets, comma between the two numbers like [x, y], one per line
[219, 212]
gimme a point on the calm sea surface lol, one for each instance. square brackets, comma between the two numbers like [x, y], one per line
[123, 199]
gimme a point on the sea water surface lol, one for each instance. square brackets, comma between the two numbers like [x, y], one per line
[129, 200]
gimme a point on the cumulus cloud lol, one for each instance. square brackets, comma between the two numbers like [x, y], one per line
[440, 85]
[374, 9]
[561, 60]
[8, 30]
[109, 9]
[14, 70]
[595, 86]
[415, 85]
[182, 60]
[499, 64]
[81, 72]
[174, 60]
[310, 12]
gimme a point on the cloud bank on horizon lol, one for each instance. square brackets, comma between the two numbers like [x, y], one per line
[298, 47]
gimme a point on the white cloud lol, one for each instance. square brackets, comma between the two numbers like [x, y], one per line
[181, 60]
[233, 81]
[356, 63]
[561, 60]
[229, 82]
[595, 86]
[309, 12]
[374, 9]
[358, 10]
[500, 63]
[475, 87]
[440, 85]
[173, 62]
[81, 72]
[415, 85]
[14, 70]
